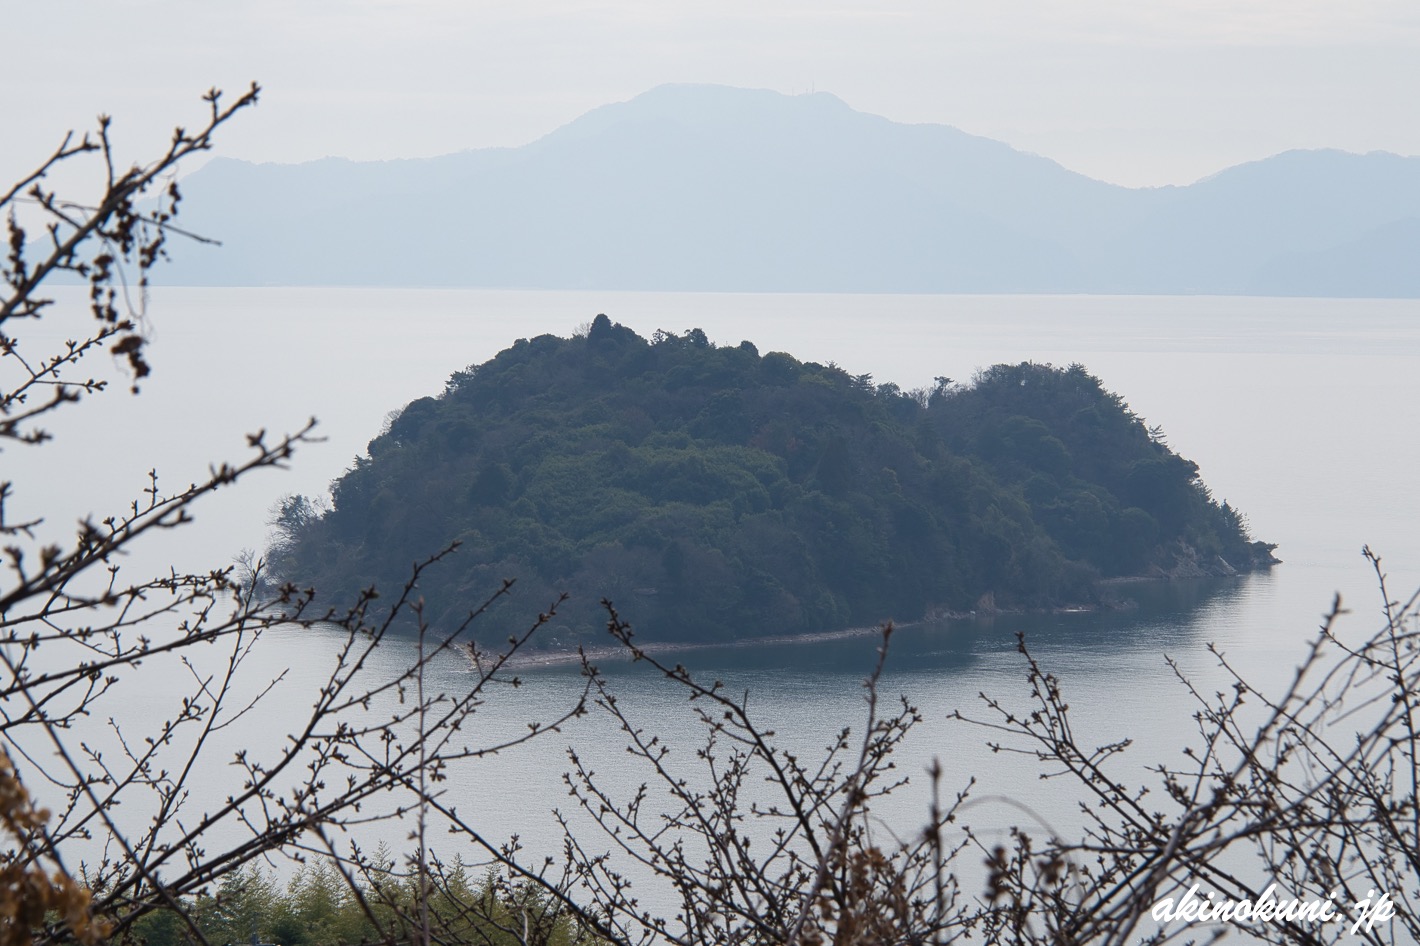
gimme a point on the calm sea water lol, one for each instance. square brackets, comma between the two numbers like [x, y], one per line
[1300, 412]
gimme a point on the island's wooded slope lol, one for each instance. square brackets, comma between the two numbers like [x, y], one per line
[714, 492]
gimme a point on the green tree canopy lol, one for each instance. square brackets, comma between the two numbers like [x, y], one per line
[722, 493]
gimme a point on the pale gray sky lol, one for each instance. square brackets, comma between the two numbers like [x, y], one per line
[1139, 92]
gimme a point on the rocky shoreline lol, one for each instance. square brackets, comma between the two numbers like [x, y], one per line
[1187, 565]
[563, 658]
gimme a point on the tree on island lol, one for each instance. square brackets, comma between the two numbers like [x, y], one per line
[740, 495]
[1318, 783]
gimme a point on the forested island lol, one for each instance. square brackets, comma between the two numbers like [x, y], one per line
[716, 493]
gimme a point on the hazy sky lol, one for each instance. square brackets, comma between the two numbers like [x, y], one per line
[1139, 92]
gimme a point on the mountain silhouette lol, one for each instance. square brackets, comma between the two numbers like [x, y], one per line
[708, 188]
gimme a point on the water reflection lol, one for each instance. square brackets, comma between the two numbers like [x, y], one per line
[1110, 663]
[1151, 617]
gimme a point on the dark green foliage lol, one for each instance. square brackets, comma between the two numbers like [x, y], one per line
[720, 493]
[1106, 488]
[319, 907]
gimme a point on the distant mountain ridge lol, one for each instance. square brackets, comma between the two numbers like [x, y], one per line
[708, 188]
